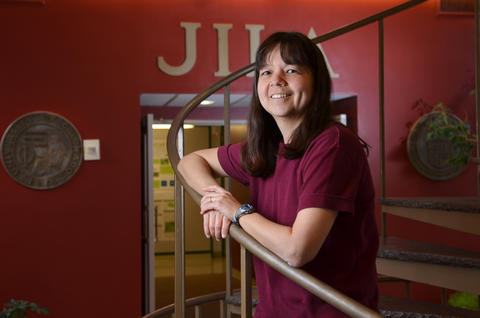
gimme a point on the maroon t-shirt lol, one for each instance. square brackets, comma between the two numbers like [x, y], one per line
[332, 174]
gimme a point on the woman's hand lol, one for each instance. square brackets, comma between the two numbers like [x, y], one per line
[218, 207]
[200, 169]
[215, 225]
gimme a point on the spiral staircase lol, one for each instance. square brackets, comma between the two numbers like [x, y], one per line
[398, 259]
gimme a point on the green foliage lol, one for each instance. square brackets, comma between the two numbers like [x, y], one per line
[19, 309]
[458, 132]
[464, 300]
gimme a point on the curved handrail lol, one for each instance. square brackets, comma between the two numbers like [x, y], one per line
[327, 293]
[169, 309]
[183, 114]
[177, 123]
[312, 284]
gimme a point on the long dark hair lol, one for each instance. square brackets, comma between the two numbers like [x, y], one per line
[259, 153]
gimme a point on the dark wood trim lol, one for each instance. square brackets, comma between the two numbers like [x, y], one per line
[40, 2]
[465, 7]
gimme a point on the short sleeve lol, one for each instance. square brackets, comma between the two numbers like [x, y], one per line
[231, 161]
[332, 171]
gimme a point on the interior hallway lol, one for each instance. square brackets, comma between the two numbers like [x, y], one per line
[204, 275]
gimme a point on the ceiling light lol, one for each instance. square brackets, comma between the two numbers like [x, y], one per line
[207, 102]
[167, 126]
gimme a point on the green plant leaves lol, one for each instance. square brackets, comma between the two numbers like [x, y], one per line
[19, 309]
[458, 132]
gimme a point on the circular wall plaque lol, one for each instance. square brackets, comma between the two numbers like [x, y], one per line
[41, 150]
[430, 158]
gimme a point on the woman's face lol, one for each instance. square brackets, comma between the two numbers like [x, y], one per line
[283, 89]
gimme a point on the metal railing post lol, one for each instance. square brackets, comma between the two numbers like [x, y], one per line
[228, 241]
[246, 283]
[179, 240]
[381, 119]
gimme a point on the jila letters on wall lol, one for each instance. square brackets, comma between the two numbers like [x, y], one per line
[222, 41]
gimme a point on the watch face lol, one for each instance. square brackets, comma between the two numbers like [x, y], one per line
[246, 208]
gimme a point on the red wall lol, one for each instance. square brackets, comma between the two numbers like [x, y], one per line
[76, 249]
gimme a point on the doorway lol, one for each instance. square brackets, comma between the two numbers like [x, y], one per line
[204, 257]
[194, 137]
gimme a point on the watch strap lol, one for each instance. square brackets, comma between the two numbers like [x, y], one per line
[241, 211]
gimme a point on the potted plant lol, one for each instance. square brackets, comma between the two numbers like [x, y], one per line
[457, 131]
[20, 308]
[439, 144]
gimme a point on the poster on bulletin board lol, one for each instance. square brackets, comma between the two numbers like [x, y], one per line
[164, 186]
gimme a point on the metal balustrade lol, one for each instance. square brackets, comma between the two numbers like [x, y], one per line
[249, 244]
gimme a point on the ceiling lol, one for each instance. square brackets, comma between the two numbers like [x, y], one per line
[181, 100]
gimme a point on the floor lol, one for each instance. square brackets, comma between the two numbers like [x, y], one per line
[204, 275]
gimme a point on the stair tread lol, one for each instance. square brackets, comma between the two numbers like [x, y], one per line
[414, 251]
[453, 204]
[395, 307]
[406, 308]
[235, 299]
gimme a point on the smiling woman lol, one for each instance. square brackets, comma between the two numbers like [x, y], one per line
[310, 187]
[284, 91]
[304, 65]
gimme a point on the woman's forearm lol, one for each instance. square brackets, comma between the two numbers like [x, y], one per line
[200, 169]
[197, 172]
[277, 238]
[296, 245]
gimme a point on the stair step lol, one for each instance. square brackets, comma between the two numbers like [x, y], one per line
[390, 307]
[429, 263]
[454, 204]
[414, 251]
[393, 307]
[234, 302]
[458, 213]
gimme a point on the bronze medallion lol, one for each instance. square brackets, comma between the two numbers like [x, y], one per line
[41, 150]
[430, 158]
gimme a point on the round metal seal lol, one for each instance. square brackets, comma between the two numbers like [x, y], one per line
[430, 158]
[41, 150]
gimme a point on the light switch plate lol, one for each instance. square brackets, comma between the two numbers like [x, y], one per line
[91, 149]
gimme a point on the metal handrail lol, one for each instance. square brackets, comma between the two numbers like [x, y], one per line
[183, 114]
[312, 284]
[196, 301]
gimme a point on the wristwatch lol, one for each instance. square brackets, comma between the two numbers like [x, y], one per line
[241, 211]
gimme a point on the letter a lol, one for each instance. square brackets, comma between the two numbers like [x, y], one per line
[190, 52]
[312, 35]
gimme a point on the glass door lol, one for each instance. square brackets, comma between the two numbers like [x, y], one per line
[148, 217]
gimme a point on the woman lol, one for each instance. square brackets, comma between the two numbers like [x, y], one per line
[312, 198]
